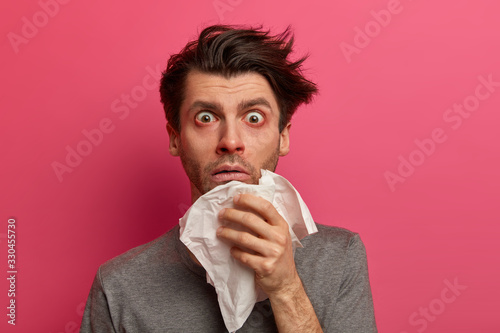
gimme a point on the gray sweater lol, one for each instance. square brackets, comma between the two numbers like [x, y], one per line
[156, 287]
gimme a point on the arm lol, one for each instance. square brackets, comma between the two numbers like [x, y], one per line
[96, 317]
[267, 249]
[354, 303]
[293, 311]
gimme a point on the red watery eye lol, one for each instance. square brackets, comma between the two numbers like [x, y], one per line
[205, 117]
[254, 117]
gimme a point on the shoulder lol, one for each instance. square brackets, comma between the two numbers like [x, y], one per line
[331, 237]
[333, 258]
[140, 258]
[334, 247]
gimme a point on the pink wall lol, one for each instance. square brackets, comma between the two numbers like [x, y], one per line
[384, 150]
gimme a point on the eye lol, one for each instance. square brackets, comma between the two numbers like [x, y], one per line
[254, 117]
[205, 117]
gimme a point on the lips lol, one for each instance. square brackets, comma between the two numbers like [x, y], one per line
[226, 173]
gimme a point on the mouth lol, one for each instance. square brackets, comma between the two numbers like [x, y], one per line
[227, 173]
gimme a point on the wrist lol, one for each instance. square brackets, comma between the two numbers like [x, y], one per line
[290, 291]
[293, 310]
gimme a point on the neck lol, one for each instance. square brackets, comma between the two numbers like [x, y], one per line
[195, 193]
[193, 258]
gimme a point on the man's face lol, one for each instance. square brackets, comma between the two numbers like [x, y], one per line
[229, 130]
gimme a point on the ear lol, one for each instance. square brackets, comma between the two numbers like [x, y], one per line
[285, 140]
[174, 144]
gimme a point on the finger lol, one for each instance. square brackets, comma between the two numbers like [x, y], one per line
[247, 219]
[262, 266]
[260, 206]
[246, 240]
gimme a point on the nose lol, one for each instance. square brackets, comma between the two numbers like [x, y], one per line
[230, 139]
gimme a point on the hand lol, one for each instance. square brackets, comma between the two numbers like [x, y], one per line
[265, 246]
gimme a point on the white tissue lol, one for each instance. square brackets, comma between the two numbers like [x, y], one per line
[234, 282]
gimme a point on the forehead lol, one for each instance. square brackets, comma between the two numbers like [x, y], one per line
[229, 92]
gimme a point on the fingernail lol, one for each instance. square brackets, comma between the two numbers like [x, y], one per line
[236, 198]
[219, 230]
[221, 212]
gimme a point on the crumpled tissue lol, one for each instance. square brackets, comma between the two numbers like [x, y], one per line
[234, 282]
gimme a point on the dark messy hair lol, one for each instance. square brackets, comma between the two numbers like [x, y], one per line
[228, 51]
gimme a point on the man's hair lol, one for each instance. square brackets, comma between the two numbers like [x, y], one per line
[229, 51]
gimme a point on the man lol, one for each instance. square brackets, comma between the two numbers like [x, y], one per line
[229, 97]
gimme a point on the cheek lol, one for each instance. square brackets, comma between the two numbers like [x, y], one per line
[197, 144]
[263, 144]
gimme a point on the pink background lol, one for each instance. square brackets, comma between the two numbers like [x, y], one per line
[382, 89]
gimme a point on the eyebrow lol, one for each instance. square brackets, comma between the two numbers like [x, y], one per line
[205, 105]
[254, 102]
[246, 104]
